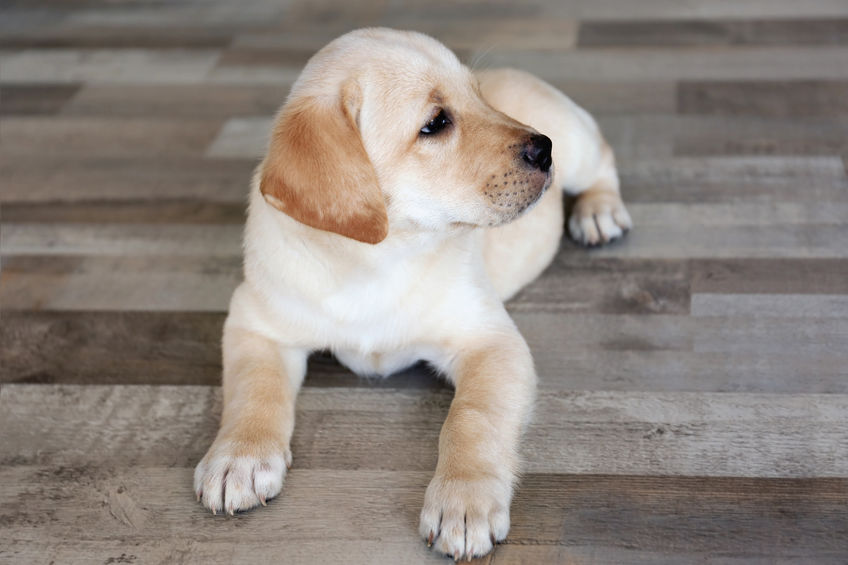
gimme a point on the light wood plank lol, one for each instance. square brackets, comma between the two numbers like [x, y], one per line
[86, 136]
[709, 242]
[74, 178]
[771, 305]
[106, 239]
[125, 66]
[641, 64]
[732, 179]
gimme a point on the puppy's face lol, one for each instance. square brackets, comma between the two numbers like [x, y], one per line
[388, 128]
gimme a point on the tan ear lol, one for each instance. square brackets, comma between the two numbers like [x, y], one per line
[317, 170]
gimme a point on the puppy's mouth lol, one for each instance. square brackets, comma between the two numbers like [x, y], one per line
[515, 193]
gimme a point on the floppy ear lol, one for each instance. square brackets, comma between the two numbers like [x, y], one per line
[317, 170]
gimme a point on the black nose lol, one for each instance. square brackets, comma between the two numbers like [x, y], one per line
[537, 152]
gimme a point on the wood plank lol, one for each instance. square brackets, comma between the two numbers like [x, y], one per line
[735, 276]
[24, 99]
[117, 282]
[771, 305]
[713, 32]
[646, 63]
[814, 212]
[617, 10]
[183, 348]
[579, 282]
[106, 137]
[176, 100]
[730, 179]
[242, 138]
[151, 511]
[125, 66]
[122, 37]
[116, 239]
[711, 242]
[773, 99]
[82, 177]
[733, 136]
[178, 348]
[158, 211]
[628, 97]
[692, 434]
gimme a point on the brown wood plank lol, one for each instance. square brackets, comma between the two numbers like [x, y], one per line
[570, 352]
[21, 99]
[713, 32]
[115, 37]
[626, 433]
[810, 276]
[144, 513]
[176, 348]
[579, 282]
[69, 178]
[177, 100]
[159, 211]
[777, 99]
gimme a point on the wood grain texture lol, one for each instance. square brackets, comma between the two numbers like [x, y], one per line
[628, 433]
[777, 99]
[714, 32]
[693, 378]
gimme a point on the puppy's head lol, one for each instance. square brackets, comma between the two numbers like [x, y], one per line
[386, 127]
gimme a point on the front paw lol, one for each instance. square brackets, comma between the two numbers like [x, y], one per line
[598, 217]
[239, 475]
[464, 518]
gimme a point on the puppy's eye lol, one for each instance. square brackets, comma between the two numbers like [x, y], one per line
[437, 124]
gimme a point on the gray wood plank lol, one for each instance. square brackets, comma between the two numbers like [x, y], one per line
[183, 348]
[125, 66]
[160, 210]
[713, 32]
[691, 434]
[710, 242]
[106, 137]
[116, 282]
[176, 100]
[111, 239]
[767, 276]
[23, 99]
[641, 64]
[70, 178]
[777, 99]
[771, 305]
[731, 179]
[147, 513]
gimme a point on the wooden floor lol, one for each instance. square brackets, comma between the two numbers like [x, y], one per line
[694, 378]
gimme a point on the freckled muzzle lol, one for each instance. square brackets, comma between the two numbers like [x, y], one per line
[515, 191]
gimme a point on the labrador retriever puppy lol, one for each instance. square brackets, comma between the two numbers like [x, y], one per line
[403, 198]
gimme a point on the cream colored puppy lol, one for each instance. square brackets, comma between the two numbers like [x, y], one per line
[379, 228]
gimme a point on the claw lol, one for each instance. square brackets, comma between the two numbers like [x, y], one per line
[214, 512]
[456, 555]
[199, 494]
[231, 511]
[262, 500]
[430, 538]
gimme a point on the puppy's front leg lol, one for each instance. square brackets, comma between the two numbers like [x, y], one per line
[248, 459]
[466, 506]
